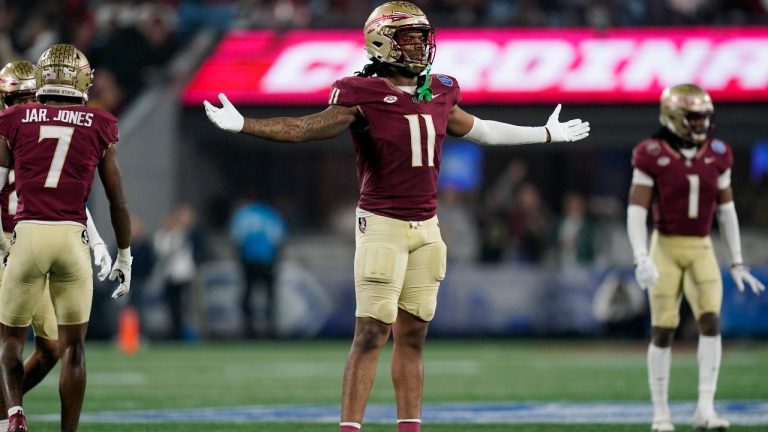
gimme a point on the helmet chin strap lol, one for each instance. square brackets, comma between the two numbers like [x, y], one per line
[424, 92]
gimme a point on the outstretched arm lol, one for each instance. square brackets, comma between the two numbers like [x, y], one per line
[323, 125]
[489, 132]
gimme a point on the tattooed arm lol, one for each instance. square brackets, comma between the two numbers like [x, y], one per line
[323, 125]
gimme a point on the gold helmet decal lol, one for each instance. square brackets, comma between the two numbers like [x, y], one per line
[63, 70]
[681, 105]
[389, 36]
[17, 80]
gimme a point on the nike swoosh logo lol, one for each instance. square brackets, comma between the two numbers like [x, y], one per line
[709, 160]
[434, 96]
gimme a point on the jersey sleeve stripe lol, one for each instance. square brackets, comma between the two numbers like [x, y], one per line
[334, 96]
[641, 178]
[724, 180]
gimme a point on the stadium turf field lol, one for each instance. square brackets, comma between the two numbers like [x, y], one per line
[163, 385]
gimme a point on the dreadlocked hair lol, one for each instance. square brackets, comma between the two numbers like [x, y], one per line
[375, 67]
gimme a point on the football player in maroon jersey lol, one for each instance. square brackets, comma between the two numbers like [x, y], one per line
[398, 114]
[18, 86]
[55, 147]
[684, 175]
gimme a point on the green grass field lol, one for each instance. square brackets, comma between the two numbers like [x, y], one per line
[166, 377]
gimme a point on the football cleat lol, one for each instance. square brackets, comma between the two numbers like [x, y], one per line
[662, 426]
[17, 423]
[710, 423]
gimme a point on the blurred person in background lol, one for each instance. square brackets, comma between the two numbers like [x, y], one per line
[50, 240]
[178, 246]
[259, 232]
[530, 225]
[498, 204]
[619, 307]
[143, 251]
[107, 94]
[136, 52]
[684, 173]
[506, 188]
[458, 226]
[574, 233]
[399, 114]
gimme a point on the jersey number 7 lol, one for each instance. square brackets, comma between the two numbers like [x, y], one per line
[63, 136]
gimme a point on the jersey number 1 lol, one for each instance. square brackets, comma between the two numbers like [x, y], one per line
[693, 196]
[415, 128]
[63, 136]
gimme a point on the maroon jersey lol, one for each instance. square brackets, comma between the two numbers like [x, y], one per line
[8, 202]
[398, 153]
[56, 150]
[684, 191]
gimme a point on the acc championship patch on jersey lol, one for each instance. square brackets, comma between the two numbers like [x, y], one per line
[718, 147]
[653, 148]
[445, 80]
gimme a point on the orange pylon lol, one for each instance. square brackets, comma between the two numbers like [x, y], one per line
[128, 330]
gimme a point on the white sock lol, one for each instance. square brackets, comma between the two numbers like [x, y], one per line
[15, 409]
[709, 353]
[659, 362]
[357, 426]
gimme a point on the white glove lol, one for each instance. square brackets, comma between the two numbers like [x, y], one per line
[227, 117]
[102, 259]
[741, 274]
[122, 272]
[572, 130]
[646, 273]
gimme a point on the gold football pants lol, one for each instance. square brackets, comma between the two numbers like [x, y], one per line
[58, 254]
[398, 264]
[687, 266]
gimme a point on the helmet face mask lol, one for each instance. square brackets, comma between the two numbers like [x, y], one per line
[687, 111]
[64, 71]
[17, 82]
[398, 33]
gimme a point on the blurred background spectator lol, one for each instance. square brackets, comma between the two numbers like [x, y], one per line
[574, 233]
[259, 231]
[179, 249]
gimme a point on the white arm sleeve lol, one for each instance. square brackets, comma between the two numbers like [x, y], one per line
[637, 230]
[729, 229]
[489, 132]
[641, 178]
[3, 176]
[724, 180]
[93, 233]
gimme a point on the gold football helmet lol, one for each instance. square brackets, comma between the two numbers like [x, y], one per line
[17, 81]
[63, 70]
[687, 110]
[388, 30]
